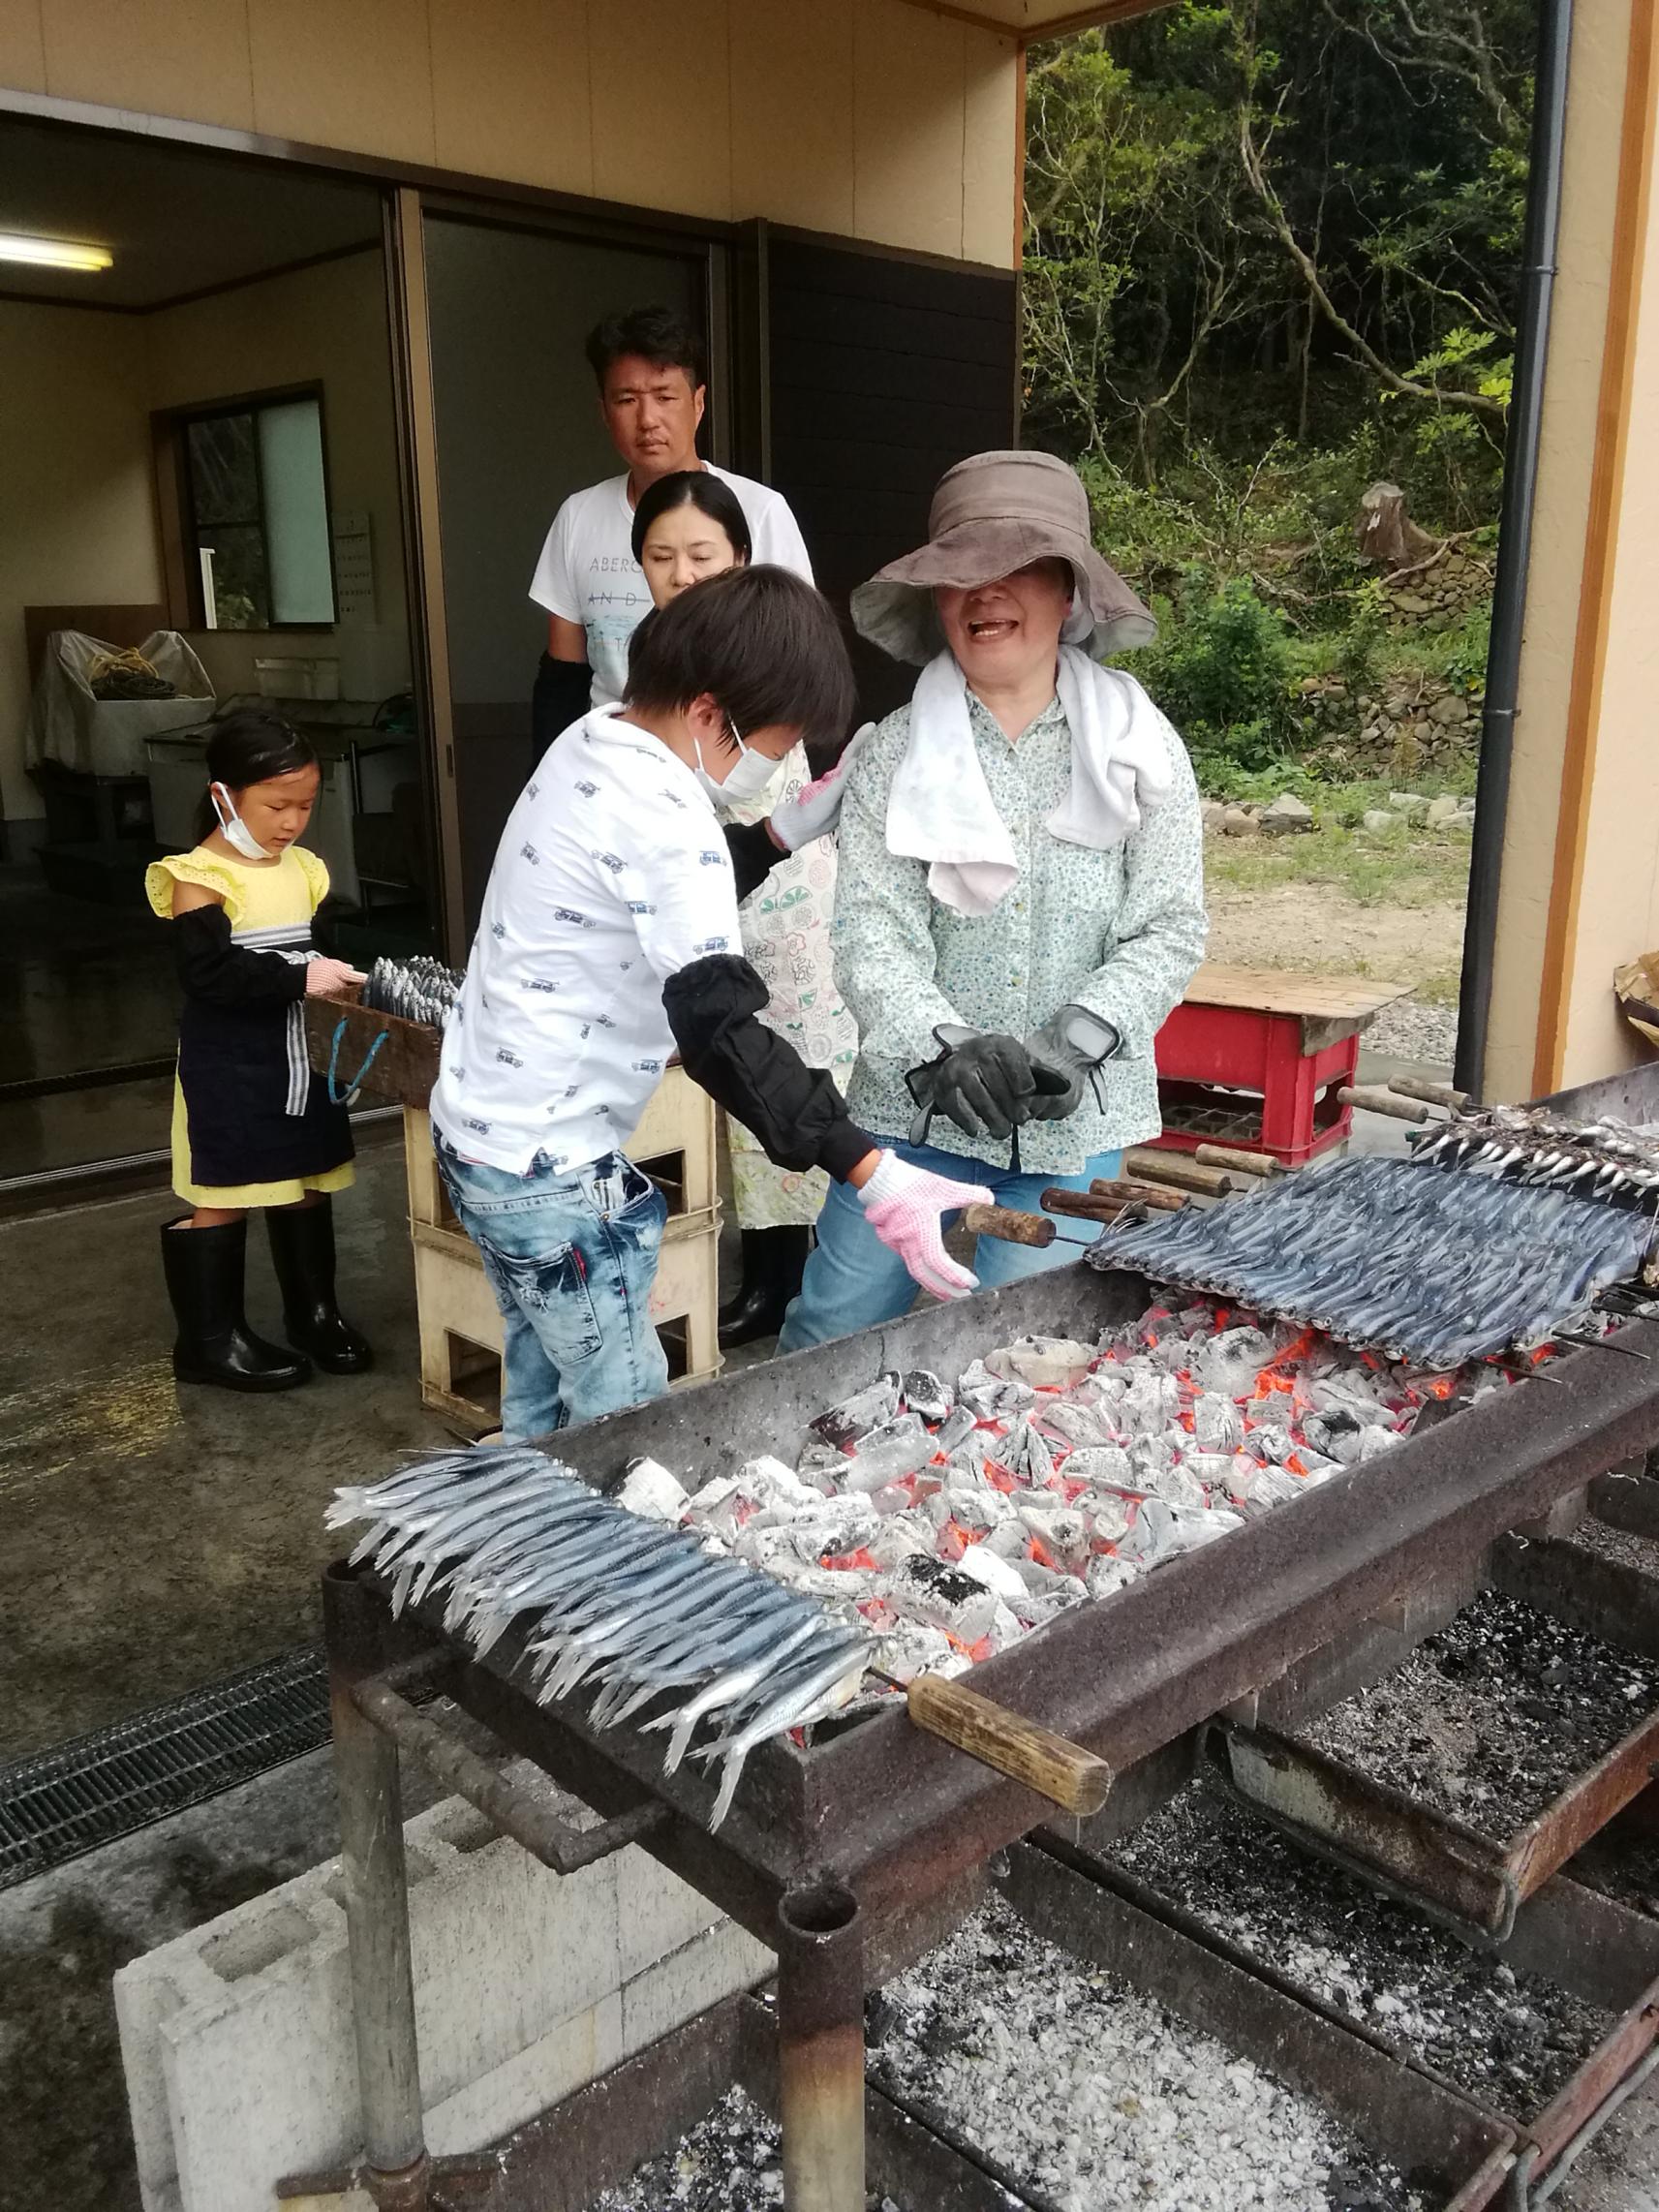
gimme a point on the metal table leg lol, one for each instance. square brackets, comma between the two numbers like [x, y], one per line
[820, 2049]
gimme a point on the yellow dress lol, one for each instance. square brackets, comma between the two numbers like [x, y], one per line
[259, 897]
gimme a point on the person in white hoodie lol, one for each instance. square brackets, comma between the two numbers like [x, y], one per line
[1021, 898]
[609, 939]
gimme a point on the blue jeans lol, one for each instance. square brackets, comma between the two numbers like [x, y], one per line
[571, 1259]
[853, 1281]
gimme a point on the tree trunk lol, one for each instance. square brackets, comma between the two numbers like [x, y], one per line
[1387, 534]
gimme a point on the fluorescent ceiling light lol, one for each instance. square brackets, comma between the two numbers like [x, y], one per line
[52, 253]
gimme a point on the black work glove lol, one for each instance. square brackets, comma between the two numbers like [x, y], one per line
[1065, 1053]
[982, 1083]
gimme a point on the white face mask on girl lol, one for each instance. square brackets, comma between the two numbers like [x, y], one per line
[746, 779]
[237, 831]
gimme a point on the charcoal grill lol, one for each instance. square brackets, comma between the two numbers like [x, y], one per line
[851, 1856]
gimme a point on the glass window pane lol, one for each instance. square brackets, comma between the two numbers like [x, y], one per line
[224, 475]
[296, 511]
[241, 590]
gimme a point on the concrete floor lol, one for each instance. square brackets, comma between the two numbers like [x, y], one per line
[158, 1538]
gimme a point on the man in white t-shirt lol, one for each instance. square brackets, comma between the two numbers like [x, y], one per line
[651, 395]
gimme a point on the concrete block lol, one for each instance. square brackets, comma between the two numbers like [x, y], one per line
[237, 2039]
[713, 1965]
[657, 1913]
[551, 2068]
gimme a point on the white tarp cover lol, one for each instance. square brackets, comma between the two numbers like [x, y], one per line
[105, 737]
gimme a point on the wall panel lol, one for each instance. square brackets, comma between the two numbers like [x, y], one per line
[989, 149]
[162, 57]
[908, 120]
[510, 91]
[356, 74]
[791, 114]
[662, 104]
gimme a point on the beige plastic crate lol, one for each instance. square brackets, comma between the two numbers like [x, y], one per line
[460, 1326]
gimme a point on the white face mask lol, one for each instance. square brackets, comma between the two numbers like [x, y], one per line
[746, 779]
[237, 830]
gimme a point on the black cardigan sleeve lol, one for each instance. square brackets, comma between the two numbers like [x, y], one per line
[563, 694]
[754, 856]
[796, 1111]
[226, 975]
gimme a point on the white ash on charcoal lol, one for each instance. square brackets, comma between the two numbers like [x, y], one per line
[730, 2161]
[1510, 2039]
[1493, 1718]
[953, 1518]
[1094, 2097]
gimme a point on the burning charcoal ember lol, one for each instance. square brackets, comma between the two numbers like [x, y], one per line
[942, 1596]
[1059, 1534]
[1218, 1425]
[956, 1428]
[928, 1394]
[997, 1574]
[1093, 2097]
[1025, 1455]
[1106, 1463]
[1081, 1424]
[1046, 1363]
[1230, 1363]
[909, 1648]
[843, 1425]
[885, 1455]
[1150, 1403]
[1193, 1525]
[989, 1396]
[1510, 2039]
[1494, 1716]
[650, 1489]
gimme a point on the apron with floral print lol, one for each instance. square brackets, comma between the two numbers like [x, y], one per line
[787, 940]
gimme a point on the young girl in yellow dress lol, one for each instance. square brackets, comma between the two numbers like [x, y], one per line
[251, 1124]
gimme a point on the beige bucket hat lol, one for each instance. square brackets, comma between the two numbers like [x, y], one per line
[991, 514]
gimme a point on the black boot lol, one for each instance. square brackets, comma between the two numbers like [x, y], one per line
[772, 1264]
[302, 1246]
[204, 1269]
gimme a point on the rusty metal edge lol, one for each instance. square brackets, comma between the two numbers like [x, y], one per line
[1424, 1850]
[1619, 2052]
[1397, 2110]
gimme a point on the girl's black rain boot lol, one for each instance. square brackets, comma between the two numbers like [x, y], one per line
[302, 1246]
[204, 1269]
[773, 1260]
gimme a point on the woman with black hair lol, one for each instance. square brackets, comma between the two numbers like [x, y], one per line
[250, 1126]
[686, 528]
[609, 939]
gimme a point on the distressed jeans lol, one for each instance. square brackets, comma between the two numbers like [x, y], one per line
[571, 1258]
[852, 1281]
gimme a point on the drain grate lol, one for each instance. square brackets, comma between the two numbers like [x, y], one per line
[62, 1802]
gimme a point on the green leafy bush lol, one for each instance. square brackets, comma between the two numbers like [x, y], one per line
[1221, 670]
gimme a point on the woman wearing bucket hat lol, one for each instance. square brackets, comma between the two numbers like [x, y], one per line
[1021, 898]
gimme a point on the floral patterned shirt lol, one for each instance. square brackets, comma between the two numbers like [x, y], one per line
[1119, 931]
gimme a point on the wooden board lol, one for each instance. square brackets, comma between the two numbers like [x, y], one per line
[1286, 990]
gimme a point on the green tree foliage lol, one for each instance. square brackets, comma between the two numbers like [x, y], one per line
[1250, 222]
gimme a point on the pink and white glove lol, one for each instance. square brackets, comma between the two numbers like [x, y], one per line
[818, 810]
[904, 1205]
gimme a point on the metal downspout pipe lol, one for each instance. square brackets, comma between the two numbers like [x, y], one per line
[1515, 539]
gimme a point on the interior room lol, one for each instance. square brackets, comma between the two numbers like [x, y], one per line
[200, 480]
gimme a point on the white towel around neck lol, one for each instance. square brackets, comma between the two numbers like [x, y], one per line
[939, 808]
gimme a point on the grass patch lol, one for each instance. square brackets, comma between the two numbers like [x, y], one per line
[1403, 868]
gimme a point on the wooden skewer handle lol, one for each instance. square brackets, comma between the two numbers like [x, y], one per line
[1062, 1772]
[1432, 1093]
[1181, 1172]
[1373, 1099]
[1140, 1193]
[1081, 1205]
[1012, 1227]
[1242, 1163]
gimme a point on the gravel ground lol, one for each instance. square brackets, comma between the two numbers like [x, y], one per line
[1508, 2039]
[1491, 1719]
[1407, 1031]
[1098, 2097]
[732, 2161]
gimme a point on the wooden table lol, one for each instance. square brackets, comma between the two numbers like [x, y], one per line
[1253, 1058]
